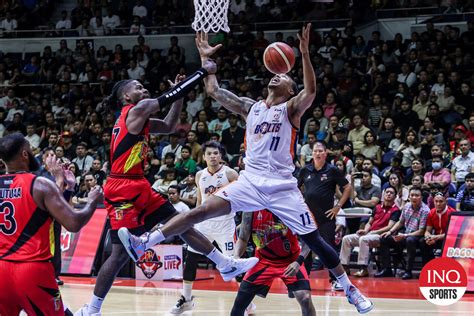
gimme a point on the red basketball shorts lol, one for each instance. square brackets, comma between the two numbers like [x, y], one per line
[30, 286]
[133, 204]
[259, 279]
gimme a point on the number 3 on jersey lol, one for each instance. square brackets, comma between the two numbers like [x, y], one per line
[7, 218]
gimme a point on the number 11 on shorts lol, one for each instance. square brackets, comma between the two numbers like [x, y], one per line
[305, 218]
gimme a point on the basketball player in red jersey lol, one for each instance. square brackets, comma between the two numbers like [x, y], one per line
[267, 182]
[129, 198]
[280, 257]
[28, 206]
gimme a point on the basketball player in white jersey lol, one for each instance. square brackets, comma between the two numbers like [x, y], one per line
[267, 182]
[220, 230]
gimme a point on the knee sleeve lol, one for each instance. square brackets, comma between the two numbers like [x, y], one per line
[319, 246]
[190, 266]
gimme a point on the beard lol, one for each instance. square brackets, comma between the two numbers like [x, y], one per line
[33, 164]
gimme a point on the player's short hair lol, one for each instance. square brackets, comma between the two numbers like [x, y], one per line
[11, 145]
[211, 144]
[187, 148]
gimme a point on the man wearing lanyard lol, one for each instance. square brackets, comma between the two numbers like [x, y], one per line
[413, 220]
[318, 182]
[436, 226]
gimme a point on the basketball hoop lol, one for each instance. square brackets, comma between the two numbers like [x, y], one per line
[211, 15]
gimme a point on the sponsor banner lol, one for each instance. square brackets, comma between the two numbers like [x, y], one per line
[161, 262]
[459, 243]
[78, 250]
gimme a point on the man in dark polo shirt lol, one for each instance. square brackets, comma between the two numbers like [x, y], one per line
[318, 182]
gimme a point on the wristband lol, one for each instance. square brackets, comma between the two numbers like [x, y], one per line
[181, 89]
[300, 260]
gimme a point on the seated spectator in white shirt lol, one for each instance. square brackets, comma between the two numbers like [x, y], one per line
[137, 28]
[64, 23]
[33, 138]
[98, 29]
[9, 24]
[135, 72]
[140, 10]
[462, 164]
[174, 197]
[111, 21]
[406, 76]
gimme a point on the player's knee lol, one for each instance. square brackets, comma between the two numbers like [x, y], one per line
[304, 298]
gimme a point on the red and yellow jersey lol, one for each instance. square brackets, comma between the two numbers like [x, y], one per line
[128, 152]
[26, 231]
[276, 244]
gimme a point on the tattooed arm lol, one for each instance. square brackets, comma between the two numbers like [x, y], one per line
[238, 105]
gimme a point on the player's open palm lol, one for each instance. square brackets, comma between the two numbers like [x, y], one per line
[304, 38]
[292, 269]
[202, 44]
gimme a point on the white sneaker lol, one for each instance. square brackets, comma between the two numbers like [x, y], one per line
[236, 267]
[84, 311]
[134, 245]
[336, 286]
[362, 303]
[182, 305]
[251, 309]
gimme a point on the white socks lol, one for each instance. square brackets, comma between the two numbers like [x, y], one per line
[153, 238]
[344, 281]
[95, 305]
[187, 289]
[218, 258]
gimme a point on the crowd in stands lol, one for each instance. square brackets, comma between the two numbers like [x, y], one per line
[394, 112]
[140, 17]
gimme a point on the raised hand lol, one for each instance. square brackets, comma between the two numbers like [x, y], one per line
[69, 179]
[304, 38]
[202, 44]
[95, 195]
[177, 80]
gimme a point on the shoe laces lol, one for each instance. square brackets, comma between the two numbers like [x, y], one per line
[356, 296]
[181, 301]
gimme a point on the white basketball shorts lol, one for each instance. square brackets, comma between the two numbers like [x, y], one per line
[253, 192]
[222, 232]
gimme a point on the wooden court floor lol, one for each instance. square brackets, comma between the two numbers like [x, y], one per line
[214, 297]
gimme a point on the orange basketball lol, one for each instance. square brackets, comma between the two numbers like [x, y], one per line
[279, 58]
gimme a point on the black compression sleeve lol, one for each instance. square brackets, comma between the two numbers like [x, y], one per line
[181, 89]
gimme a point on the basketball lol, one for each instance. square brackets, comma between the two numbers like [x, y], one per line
[279, 58]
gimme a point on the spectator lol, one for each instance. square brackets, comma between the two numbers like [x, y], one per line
[81, 197]
[84, 29]
[397, 140]
[97, 171]
[338, 156]
[307, 150]
[173, 147]
[410, 148]
[194, 105]
[407, 118]
[189, 194]
[370, 149]
[395, 180]
[137, 27]
[411, 228]
[220, 123]
[367, 195]
[420, 105]
[111, 21]
[33, 138]
[162, 185]
[439, 175]
[417, 169]
[81, 134]
[135, 71]
[386, 133]
[186, 164]
[9, 24]
[140, 10]
[462, 164]
[68, 146]
[83, 160]
[356, 135]
[99, 28]
[233, 136]
[436, 227]
[385, 215]
[64, 23]
[465, 195]
[196, 151]
[174, 196]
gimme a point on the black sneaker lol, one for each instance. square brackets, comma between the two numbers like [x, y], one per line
[59, 281]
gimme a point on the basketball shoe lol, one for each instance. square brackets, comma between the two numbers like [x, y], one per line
[362, 303]
[251, 309]
[182, 305]
[84, 311]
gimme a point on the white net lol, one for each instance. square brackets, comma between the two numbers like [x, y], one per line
[211, 15]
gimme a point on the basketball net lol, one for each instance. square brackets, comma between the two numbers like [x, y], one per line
[211, 15]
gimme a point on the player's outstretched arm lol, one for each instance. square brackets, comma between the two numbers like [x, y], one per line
[226, 98]
[244, 234]
[138, 116]
[48, 197]
[300, 103]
